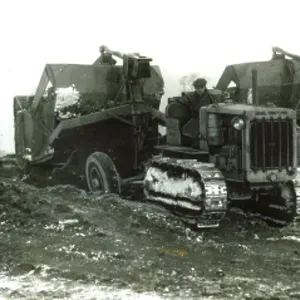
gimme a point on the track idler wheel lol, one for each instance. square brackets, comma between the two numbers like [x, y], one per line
[288, 198]
[278, 208]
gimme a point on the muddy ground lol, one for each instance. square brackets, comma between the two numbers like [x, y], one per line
[62, 243]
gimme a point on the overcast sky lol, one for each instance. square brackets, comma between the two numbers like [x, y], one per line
[181, 36]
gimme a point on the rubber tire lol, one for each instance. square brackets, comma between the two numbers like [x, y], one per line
[106, 169]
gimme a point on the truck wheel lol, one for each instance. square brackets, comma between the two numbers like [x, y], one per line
[101, 174]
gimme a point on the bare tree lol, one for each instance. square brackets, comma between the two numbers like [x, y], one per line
[186, 81]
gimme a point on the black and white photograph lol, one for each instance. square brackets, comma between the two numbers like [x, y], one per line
[149, 150]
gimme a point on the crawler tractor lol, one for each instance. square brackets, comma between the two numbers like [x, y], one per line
[242, 155]
[89, 125]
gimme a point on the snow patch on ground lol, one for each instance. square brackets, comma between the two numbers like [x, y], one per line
[31, 287]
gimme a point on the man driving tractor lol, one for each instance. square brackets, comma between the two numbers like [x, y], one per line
[186, 110]
[198, 98]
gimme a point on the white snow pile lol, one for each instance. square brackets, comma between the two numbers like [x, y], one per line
[66, 97]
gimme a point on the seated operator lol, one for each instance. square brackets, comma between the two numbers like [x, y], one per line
[200, 97]
[105, 57]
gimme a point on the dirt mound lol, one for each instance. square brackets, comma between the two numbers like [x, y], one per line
[94, 240]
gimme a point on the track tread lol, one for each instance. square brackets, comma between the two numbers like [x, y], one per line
[206, 209]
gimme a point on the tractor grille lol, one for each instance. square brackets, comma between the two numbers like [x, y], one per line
[271, 143]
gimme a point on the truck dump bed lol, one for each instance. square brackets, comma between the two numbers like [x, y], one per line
[278, 81]
[78, 94]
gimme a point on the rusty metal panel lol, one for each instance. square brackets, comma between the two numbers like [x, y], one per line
[227, 76]
[278, 81]
[40, 90]
[173, 132]
[86, 78]
[115, 112]
[270, 73]
[102, 82]
[95, 79]
[42, 129]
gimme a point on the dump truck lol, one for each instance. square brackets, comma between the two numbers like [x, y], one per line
[243, 155]
[278, 82]
[93, 126]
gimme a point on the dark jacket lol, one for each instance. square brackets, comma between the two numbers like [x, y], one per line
[105, 60]
[195, 101]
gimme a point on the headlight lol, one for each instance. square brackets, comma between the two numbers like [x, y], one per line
[238, 123]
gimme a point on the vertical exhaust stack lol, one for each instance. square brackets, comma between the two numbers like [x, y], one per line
[255, 96]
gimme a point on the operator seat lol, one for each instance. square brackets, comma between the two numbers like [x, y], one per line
[179, 109]
[190, 130]
[183, 122]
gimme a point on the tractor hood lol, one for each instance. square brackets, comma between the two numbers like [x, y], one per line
[250, 110]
